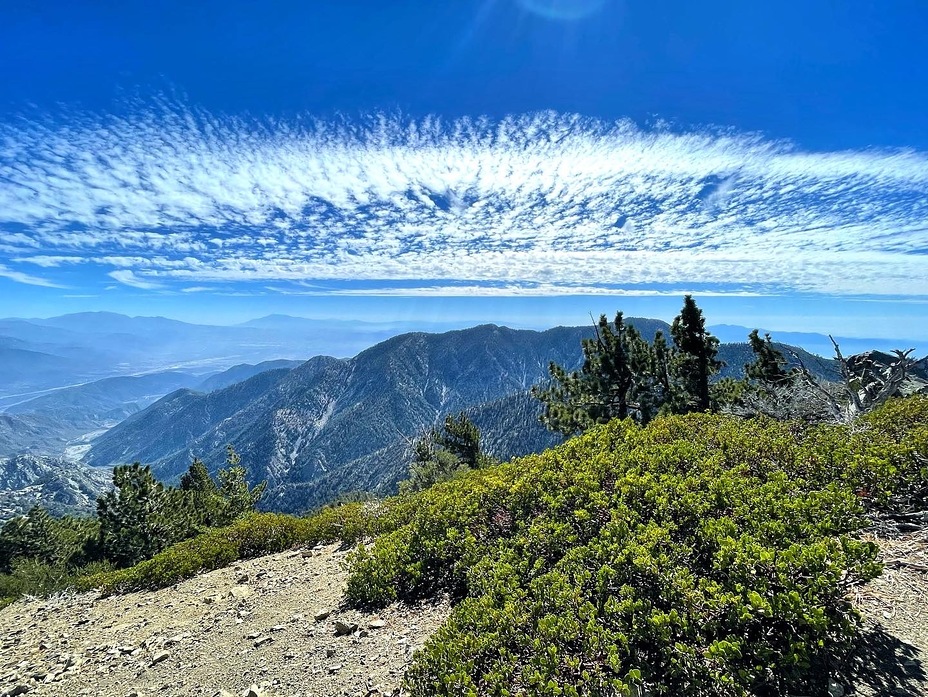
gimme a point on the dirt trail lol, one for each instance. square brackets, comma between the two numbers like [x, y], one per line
[893, 658]
[274, 623]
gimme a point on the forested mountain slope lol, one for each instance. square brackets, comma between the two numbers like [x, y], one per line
[332, 426]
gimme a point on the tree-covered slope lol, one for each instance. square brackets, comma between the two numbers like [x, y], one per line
[333, 426]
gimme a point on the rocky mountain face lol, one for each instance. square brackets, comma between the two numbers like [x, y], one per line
[61, 486]
[178, 420]
[332, 426]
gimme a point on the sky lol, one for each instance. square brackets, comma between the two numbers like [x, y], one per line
[520, 161]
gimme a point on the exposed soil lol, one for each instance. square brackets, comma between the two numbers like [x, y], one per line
[893, 658]
[274, 623]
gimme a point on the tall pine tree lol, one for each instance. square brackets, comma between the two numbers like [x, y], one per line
[604, 387]
[694, 360]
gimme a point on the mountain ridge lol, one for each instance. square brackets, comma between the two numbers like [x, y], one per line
[334, 425]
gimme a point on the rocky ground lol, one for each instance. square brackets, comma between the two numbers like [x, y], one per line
[274, 627]
[893, 658]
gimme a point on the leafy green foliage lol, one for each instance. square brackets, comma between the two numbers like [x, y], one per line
[603, 387]
[135, 521]
[39, 536]
[141, 516]
[700, 555]
[40, 555]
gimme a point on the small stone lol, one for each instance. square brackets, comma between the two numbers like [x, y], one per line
[253, 691]
[334, 668]
[253, 635]
[261, 641]
[241, 592]
[20, 689]
[329, 652]
[376, 624]
[835, 689]
[176, 639]
[159, 657]
[277, 628]
[321, 615]
[345, 628]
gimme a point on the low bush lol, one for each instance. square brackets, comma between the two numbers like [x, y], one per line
[700, 555]
[252, 536]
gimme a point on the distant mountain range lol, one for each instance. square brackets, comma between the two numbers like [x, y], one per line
[41, 355]
[819, 344]
[38, 355]
[60, 422]
[314, 428]
[333, 425]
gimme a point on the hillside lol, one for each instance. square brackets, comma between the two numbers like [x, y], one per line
[334, 425]
[698, 555]
[269, 637]
[60, 486]
[331, 426]
[251, 624]
[177, 420]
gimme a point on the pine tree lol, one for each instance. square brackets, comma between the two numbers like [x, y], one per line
[207, 505]
[438, 455]
[694, 361]
[605, 386]
[140, 516]
[240, 498]
[769, 366]
[29, 536]
[653, 388]
[461, 438]
[197, 480]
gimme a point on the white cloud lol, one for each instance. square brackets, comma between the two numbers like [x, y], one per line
[127, 277]
[29, 280]
[544, 203]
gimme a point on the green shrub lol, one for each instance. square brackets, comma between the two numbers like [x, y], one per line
[700, 555]
[257, 534]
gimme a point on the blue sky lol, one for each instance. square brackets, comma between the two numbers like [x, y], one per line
[497, 160]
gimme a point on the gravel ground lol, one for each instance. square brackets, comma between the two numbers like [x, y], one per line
[273, 624]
